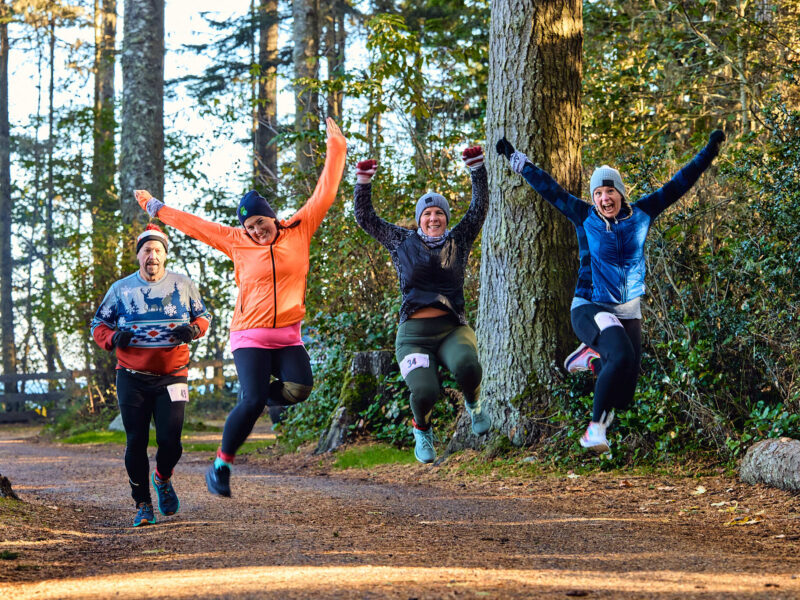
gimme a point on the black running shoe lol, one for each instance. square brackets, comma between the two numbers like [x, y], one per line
[168, 503]
[218, 480]
[145, 516]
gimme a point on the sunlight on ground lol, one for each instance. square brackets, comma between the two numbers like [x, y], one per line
[324, 581]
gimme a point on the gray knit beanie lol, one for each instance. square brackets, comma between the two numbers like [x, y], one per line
[432, 199]
[606, 176]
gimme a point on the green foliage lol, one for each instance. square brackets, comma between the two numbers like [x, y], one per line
[366, 457]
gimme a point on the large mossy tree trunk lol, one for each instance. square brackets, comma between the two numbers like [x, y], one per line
[141, 157]
[529, 258]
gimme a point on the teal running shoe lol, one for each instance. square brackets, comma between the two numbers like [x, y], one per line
[145, 516]
[218, 480]
[481, 421]
[168, 503]
[424, 451]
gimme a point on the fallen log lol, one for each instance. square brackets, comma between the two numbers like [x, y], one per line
[774, 462]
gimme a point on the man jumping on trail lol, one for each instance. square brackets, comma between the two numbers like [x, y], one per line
[616, 230]
[150, 317]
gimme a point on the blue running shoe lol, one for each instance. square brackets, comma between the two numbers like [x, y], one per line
[218, 480]
[168, 503]
[145, 516]
[481, 421]
[424, 451]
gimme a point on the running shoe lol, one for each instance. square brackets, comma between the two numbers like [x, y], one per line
[168, 503]
[579, 360]
[424, 451]
[145, 515]
[481, 421]
[595, 438]
[218, 480]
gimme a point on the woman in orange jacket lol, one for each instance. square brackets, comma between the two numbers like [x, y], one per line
[270, 262]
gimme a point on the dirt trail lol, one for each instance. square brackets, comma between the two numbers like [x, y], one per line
[398, 532]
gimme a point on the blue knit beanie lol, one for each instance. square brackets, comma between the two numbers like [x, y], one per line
[606, 176]
[432, 199]
[253, 203]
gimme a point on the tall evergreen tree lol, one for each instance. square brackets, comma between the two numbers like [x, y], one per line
[265, 152]
[104, 206]
[6, 209]
[306, 33]
[142, 137]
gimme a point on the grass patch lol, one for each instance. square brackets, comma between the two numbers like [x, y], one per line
[8, 555]
[246, 448]
[101, 437]
[364, 457]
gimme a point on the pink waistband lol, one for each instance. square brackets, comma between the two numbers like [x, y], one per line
[265, 337]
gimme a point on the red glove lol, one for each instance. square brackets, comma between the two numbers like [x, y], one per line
[365, 170]
[473, 157]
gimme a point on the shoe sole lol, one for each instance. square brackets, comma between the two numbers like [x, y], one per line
[145, 522]
[599, 448]
[166, 514]
[212, 490]
[424, 462]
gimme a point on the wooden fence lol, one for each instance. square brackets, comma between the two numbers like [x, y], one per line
[15, 403]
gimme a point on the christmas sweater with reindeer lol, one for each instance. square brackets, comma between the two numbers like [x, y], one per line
[151, 310]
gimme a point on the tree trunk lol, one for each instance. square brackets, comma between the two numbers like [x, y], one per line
[265, 159]
[141, 154]
[104, 206]
[6, 209]
[306, 65]
[335, 41]
[529, 258]
[362, 385]
[48, 275]
[774, 462]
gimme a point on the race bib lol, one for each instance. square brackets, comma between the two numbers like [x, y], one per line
[178, 392]
[605, 320]
[413, 361]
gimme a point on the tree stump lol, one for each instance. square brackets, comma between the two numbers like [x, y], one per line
[360, 387]
[5, 489]
[774, 462]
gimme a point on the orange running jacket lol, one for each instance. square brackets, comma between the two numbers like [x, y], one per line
[271, 279]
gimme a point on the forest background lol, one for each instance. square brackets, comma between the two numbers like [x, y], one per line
[411, 84]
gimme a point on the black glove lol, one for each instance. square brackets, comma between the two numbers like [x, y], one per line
[716, 138]
[186, 333]
[504, 147]
[121, 339]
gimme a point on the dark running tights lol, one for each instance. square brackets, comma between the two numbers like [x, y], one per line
[619, 344]
[142, 398]
[254, 366]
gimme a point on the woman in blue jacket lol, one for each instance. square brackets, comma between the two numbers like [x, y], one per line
[615, 231]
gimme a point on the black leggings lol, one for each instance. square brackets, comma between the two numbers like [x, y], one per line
[619, 344]
[292, 368]
[142, 398]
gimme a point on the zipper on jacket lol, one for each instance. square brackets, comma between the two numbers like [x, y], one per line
[274, 285]
[621, 263]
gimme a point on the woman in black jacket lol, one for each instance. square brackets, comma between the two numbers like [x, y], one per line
[430, 263]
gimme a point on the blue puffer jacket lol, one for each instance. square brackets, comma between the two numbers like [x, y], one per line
[616, 248]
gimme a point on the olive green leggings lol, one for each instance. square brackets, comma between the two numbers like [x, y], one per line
[421, 346]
